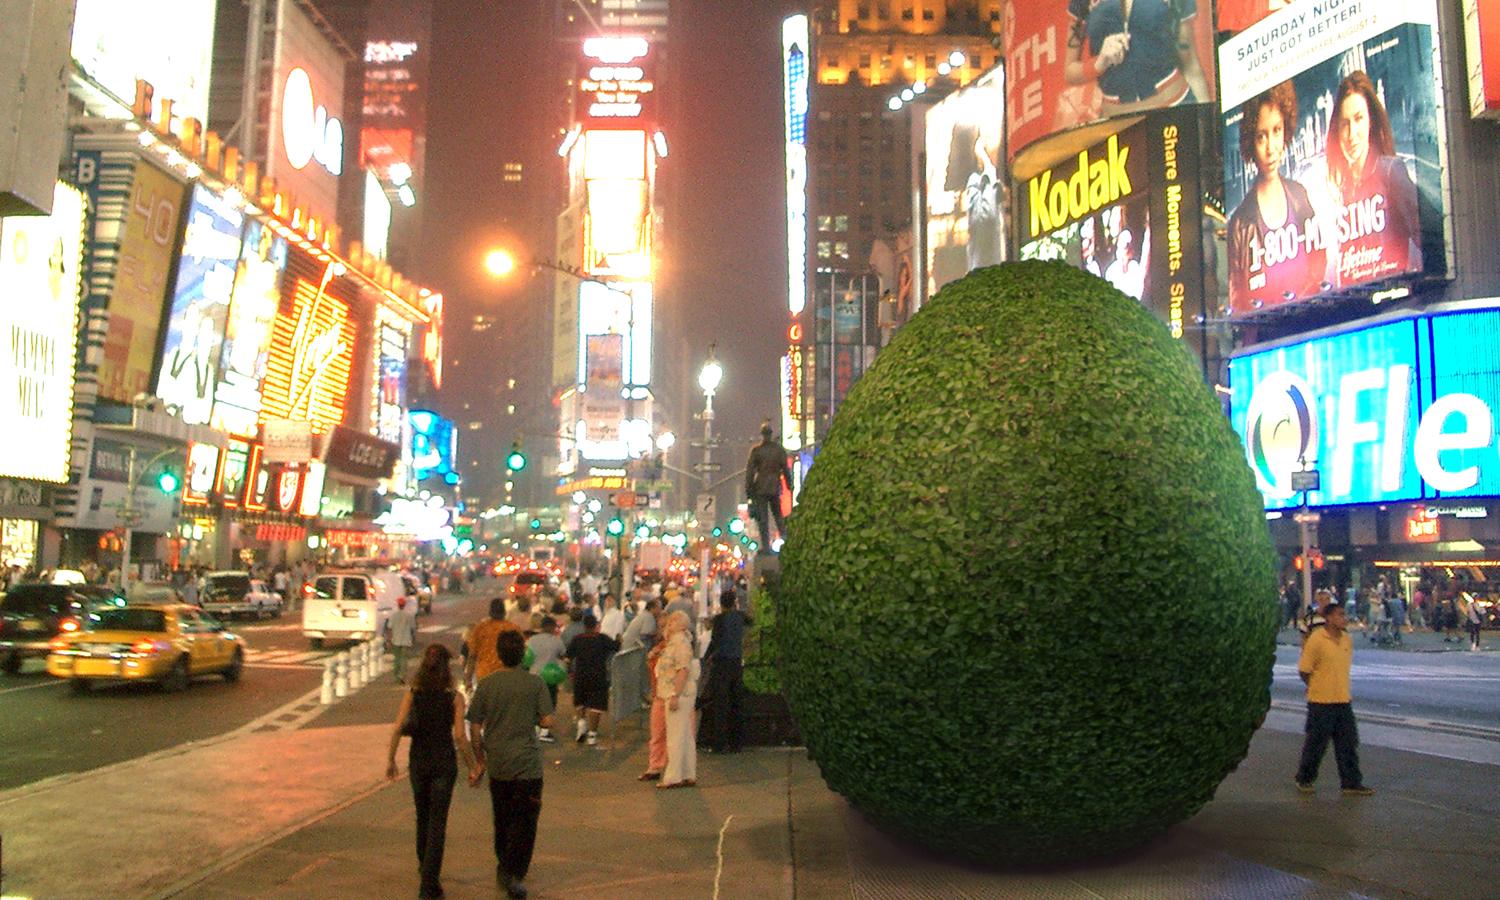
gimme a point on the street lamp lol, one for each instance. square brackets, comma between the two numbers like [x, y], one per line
[708, 379]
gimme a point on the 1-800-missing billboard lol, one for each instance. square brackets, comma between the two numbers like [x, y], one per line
[1332, 150]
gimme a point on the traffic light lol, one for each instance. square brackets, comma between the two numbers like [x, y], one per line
[536, 524]
[736, 525]
[616, 527]
[167, 481]
[516, 461]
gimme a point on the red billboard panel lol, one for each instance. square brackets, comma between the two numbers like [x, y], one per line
[1076, 62]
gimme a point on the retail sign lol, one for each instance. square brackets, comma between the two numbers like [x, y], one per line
[202, 473]
[312, 351]
[308, 132]
[247, 332]
[287, 441]
[1422, 527]
[39, 282]
[1401, 410]
[361, 455]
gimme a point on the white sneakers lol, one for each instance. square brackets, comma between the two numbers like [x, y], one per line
[583, 729]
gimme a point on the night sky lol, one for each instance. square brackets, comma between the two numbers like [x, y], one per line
[723, 257]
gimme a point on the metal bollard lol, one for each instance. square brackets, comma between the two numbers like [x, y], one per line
[341, 679]
[326, 696]
[372, 661]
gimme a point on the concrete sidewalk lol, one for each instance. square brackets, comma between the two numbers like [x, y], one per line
[307, 813]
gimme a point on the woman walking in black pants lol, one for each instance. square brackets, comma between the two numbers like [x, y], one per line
[432, 713]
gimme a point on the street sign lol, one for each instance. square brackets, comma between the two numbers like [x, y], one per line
[1307, 518]
[1306, 481]
[707, 467]
[624, 499]
[707, 508]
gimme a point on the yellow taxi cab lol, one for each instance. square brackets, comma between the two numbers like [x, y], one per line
[169, 643]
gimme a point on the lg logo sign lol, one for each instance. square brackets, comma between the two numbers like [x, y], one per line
[307, 131]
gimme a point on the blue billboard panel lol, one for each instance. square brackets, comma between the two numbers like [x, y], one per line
[1401, 410]
[434, 447]
[193, 344]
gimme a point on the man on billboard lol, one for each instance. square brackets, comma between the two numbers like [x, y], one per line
[1144, 53]
[982, 200]
[1378, 227]
[1276, 252]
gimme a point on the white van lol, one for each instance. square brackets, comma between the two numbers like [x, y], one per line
[340, 606]
[389, 586]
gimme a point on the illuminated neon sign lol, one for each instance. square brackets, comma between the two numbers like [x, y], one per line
[308, 132]
[1402, 410]
[312, 350]
[794, 69]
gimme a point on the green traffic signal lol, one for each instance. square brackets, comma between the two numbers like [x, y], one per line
[616, 527]
[516, 461]
[167, 481]
[535, 524]
[736, 526]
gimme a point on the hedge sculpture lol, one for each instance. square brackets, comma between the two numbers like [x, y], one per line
[1028, 610]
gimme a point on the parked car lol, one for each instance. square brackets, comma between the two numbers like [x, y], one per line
[169, 643]
[31, 615]
[237, 594]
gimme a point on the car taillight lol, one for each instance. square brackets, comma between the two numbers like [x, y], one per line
[58, 644]
[144, 647]
[68, 625]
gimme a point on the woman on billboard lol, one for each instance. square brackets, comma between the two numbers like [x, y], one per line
[1276, 253]
[1378, 229]
[1144, 54]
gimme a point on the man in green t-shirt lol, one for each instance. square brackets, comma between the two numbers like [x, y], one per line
[504, 713]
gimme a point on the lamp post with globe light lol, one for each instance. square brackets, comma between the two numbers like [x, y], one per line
[708, 379]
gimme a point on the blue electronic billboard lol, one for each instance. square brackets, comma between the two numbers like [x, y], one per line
[1399, 410]
[434, 447]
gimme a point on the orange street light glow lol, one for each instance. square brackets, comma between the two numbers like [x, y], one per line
[499, 262]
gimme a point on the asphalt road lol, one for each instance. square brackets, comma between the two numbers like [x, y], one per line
[47, 731]
[1457, 687]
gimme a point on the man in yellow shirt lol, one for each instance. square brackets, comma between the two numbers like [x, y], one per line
[1326, 659]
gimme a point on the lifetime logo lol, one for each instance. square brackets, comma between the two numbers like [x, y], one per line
[1097, 184]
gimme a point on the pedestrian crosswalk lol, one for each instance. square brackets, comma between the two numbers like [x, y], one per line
[271, 658]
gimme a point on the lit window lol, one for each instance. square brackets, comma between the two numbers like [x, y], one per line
[840, 223]
[841, 249]
[825, 249]
[825, 223]
[910, 60]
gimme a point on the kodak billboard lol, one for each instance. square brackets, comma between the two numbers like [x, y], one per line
[1128, 209]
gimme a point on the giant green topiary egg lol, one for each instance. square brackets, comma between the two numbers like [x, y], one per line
[1028, 606]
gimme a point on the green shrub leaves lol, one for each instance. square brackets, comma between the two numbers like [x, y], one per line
[1028, 605]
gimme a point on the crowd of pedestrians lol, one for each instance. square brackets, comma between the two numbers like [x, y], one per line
[1384, 614]
[514, 665]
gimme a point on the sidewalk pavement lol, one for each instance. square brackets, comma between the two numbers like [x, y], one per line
[307, 813]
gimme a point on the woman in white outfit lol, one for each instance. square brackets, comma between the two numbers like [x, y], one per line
[677, 688]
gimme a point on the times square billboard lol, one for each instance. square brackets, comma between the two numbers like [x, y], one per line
[1127, 209]
[1333, 151]
[1399, 410]
[966, 197]
[1073, 62]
